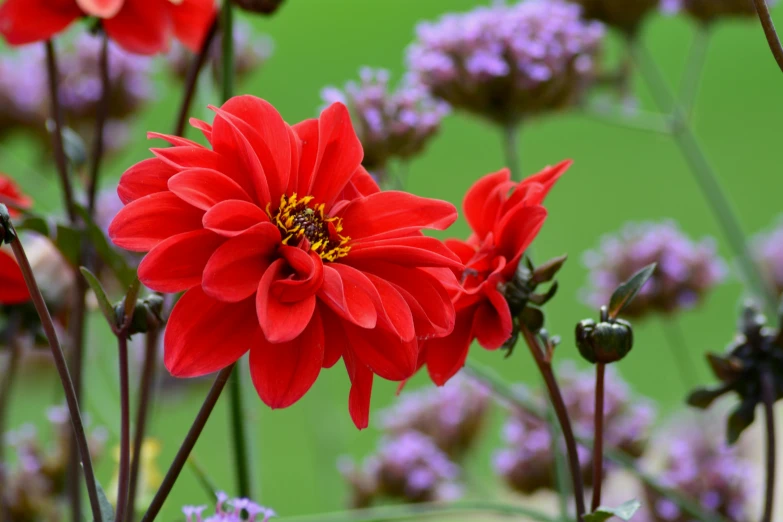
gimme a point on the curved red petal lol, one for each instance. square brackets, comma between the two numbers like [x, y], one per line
[204, 127]
[13, 289]
[147, 221]
[27, 21]
[281, 322]
[361, 390]
[544, 180]
[483, 201]
[416, 251]
[307, 278]
[100, 8]
[233, 217]
[335, 338]
[140, 27]
[347, 298]
[177, 263]
[492, 323]
[447, 355]
[516, 231]
[235, 269]
[182, 158]
[144, 178]
[204, 335]
[383, 352]
[191, 20]
[176, 141]
[283, 372]
[205, 188]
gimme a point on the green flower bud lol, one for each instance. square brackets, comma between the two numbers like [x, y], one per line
[605, 342]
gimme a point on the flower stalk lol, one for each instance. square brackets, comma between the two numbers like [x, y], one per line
[768, 397]
[598, 447]
[511, 149]
[769, 31]
[192, 78]
[101, 115]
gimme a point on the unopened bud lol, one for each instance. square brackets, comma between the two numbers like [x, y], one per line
[605, 342]
[266, 7]
[146, 314]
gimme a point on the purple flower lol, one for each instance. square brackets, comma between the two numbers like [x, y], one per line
[408, 467]
[685, 270]
[505, 63]
[624, 15]
[229, 510]
[452, 416]
[526, 462]
[768, 247]
[390, 123]
[707, 11]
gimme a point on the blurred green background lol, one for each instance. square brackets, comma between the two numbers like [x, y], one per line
[618, 175]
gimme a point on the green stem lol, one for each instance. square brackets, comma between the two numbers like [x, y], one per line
[694, 69]
[410, 511]
[705, 176]
[679, 349]
[560, 465]
[511, 150]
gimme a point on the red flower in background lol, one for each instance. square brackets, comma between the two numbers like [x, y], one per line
[286, 247]
[505, 217]
[139, 26]
[13, 289]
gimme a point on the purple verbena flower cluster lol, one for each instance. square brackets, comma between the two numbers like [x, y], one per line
[452, 416]
[408, 467]
[527, 461]
[768, 247]
[685, 270]
[624, 15]
[506, 63]
[707, 11]
[390, 123]
[229, 510]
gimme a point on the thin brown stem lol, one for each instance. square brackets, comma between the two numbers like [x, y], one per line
[6, 387]
[598, 447]
[57, 132]
[65, 376]
[769, 31]
[124, 473]
[146, 386]
[768, 397]
[545, 367]
[187, 445]
[101, 115]
[192, 78]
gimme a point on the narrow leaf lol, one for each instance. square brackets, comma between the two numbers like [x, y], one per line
[113, 259]
[130, 299]
[103, 302]
[107, 510]
[623, 512]
[628, 290]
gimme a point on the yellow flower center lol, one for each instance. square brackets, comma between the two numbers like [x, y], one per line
[297, 219]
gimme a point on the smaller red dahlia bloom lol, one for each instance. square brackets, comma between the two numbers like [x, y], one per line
[505, 217]
[13, 289]
[286, 248]
[12, 196]
[138, 26]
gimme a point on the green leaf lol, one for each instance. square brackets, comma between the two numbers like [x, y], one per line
[107, 510]
[628, 290]
[33, 223]
[113, 259]
[130, 300]
[623, 512]
[103, 302]
[69, 243]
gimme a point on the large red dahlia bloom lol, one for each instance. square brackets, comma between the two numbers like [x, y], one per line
[13, 289]
[505, 217]
[138, 26]
[286, 247]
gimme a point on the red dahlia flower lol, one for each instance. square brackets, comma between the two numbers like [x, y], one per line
[138, 26]
[286, 247]
[13, 289]
[505, 218]
[12, 196]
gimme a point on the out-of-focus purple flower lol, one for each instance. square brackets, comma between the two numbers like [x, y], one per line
[390, 123]
[624, 15]
[452, 416]
[408, 467]
[699, 465]
[685, 270]
[506, 63]
[768, 248]
[229, 510]
[707, 11]
[527, 463]
[22, 87]
[251, 51]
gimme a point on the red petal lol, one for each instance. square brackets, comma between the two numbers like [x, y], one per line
[361, 184]
[484, 199]
[465, 251]
[307, 278]
[204, 127]
[235, 269]
[28, 21]
[335, 338]
[182, 158]
[100, 8]
[268, 135]
[233, 217]
[191, 20]
[177, 263]
[361, 390]
[13, 289]
[384, 352]
[492, 324]
[145, 222]
[446, 356]
[347, 299]
[144, 178]
[545, 180]
[339, 154]
[176, 141]
[391, 213]
[140, 27]
[205, 188]
[281, 322]
[414, 251]
[517, 230]
[204, 335]
[283, 372]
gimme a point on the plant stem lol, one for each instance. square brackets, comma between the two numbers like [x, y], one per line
[768, 396]
[122, 490]
[511, 150]
[145, 390]
[560, 465]
[558, 404]
[65, 377]
[406, 511]
[8, 375]
[187, 445]
[769, 31]
[227, 50]
[679, 350]
[57, 132]
[101, 115]
[705, 176]
[598, 448]
[192, 78]
[694, 69]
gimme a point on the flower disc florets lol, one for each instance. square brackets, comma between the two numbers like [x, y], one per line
[299, 220]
